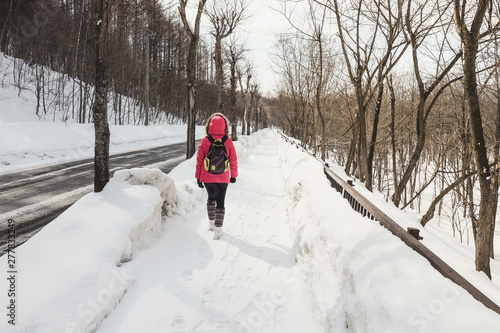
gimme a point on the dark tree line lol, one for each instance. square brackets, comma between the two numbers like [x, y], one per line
[59, 35]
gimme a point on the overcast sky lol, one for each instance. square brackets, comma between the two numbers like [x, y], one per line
[264, 23]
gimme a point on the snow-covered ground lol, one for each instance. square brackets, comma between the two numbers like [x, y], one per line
[294, 258]
[138, 257]
[34, 144]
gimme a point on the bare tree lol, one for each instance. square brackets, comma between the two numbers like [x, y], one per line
[253, 110]
[234, 54]
[319, 70]
[101, 127]
[291, 58]
[319, 59]
[244, 91]
[225, 16]
[32, 30]
[194, 37]
[468, 21]
[419, 23]
[369, 60]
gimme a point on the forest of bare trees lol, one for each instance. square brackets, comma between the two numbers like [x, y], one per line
[410, 97]
[49, 36]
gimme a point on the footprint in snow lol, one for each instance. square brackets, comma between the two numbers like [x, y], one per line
[179, 324]
[187, 275]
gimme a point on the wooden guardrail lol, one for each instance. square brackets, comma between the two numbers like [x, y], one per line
[411, 238]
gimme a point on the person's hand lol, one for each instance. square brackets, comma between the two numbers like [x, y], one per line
[232, 180]
[200, 184]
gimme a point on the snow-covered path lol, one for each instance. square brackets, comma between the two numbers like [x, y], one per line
[188, 282]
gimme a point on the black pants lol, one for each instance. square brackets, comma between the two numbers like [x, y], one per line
[217, 192]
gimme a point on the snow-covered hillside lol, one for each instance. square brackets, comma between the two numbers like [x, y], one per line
[28, 140]
[294, 258]
[33, 144]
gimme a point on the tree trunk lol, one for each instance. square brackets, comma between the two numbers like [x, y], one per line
[393, 132]
[362, 147]
[244, 102]
[486, 218]
[496, 176]
[249, 112]
[234, 135]
[244, 122]
[101, 127]
[194, 37]
[219, 71]
[373, 141]
[352, 150]
[409, 170]
[191, 98]
[432, 207]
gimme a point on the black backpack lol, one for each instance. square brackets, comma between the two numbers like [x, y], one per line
[217, 161]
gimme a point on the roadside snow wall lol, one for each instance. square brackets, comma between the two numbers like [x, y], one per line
[69, 274]
[154, 177]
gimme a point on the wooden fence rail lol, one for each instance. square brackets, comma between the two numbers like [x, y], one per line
[411, 238]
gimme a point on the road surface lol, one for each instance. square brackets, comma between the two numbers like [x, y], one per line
[33, 198]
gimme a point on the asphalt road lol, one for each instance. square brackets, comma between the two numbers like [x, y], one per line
[34, 198]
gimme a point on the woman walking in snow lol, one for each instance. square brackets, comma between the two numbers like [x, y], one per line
[216, 166]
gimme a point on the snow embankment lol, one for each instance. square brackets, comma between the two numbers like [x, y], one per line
[26, 145]
[28, 140]
[69, 273]
[362, 278]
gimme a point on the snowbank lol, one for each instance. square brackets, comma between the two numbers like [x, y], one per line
[30, 141]
[27, 145]
[69, 273]
[154, 177]
[362, 278]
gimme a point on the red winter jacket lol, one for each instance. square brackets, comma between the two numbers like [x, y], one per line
[217, 128]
